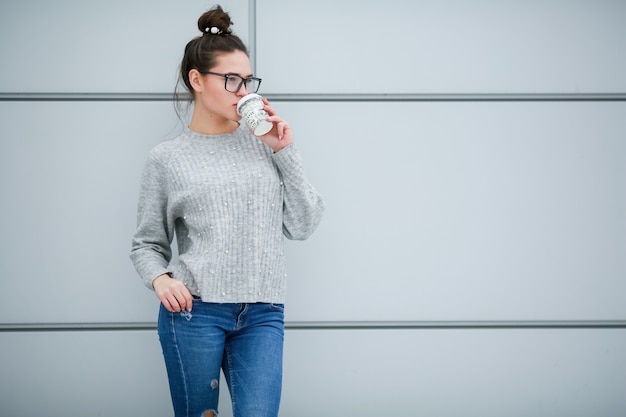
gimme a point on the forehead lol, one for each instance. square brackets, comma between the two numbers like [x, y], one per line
[236, 62]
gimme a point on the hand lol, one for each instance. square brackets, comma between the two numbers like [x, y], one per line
[280, 135]
[172, 293]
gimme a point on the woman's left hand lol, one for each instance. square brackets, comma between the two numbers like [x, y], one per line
[280, 135]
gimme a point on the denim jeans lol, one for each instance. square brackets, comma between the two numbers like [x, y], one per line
[244, 340]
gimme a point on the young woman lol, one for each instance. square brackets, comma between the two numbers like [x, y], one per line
[230, 198]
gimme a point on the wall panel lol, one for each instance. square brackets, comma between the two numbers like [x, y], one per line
[475, 373]
[486, 373]
[451, 46]
[117, 46]
[463, 211]
[83, 374]
[443, 211]
[69, 177]
[499, 216]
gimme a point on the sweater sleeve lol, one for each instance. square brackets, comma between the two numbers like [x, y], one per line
[151, 244]
[303, 206]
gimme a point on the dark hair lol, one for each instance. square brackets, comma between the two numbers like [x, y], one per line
[201, 52]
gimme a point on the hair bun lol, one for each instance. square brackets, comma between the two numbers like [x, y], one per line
[215, 21]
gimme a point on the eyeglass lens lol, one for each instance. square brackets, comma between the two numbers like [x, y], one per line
[234, 82]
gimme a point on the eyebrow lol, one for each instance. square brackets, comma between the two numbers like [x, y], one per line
[239, 75]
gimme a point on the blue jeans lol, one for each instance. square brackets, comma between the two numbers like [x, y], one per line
[244, 340]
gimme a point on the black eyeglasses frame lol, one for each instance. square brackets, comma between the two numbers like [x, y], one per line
[243, 80]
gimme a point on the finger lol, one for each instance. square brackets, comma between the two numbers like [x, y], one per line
[167, 304]
[183, 296]
[269, 109]
[168, 299]
[281, 130]
[285, 132]
[188, 300]
[184, 300]
[174, 295]
[175, 304]
[276, 119]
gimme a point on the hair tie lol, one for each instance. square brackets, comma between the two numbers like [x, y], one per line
[214, 30]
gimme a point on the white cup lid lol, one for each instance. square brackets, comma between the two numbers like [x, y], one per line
[246, 98]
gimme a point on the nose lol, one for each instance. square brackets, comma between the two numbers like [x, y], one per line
[242, 90]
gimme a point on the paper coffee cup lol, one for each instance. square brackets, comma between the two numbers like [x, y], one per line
[250, 108]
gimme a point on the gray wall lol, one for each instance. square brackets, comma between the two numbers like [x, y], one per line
[473, 160]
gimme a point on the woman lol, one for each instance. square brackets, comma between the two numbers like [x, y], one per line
[230, 198]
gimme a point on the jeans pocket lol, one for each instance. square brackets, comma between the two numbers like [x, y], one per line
[278, 307]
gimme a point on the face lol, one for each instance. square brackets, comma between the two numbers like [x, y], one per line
[210, 95]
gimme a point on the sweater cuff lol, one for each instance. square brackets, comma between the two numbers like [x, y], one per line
[289, 162]
[152, 274]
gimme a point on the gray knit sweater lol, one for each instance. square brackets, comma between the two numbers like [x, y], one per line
[230, 201]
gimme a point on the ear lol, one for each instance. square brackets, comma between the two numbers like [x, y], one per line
[195, 79]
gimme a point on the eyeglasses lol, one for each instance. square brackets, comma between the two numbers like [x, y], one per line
[234, 82]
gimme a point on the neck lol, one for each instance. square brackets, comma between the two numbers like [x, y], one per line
[210, 124]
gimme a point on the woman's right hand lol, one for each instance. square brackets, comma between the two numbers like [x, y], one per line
[173, 293]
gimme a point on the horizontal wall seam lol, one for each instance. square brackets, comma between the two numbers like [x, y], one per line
[337, 325]
[325, 97]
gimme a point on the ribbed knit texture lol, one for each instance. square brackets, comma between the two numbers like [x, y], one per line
[230, 201]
